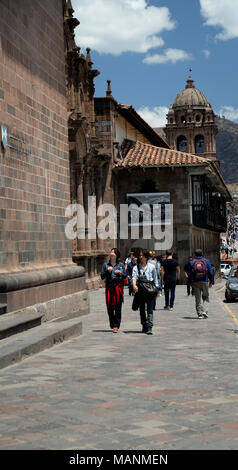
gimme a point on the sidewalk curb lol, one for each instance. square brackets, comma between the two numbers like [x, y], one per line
[219, 286]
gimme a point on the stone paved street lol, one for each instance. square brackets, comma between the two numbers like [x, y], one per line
[177, 389]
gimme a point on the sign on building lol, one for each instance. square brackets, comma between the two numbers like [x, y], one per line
[139, 200]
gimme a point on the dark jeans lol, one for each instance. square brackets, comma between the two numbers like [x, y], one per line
[169, 288]
[114, 313]
[146, 320]
[189, 286]
[130, 286]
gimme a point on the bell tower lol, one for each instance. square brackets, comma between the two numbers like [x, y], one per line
[191, 124]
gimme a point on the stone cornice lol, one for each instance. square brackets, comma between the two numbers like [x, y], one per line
[23, 280]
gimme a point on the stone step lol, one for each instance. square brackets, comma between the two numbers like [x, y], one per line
[3, 308]
[13, 323]
[22, 345]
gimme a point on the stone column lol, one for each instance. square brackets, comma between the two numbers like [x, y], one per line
[94, 183]
[92, 268]
[99, 198]
[192, 140]
[85, 198]
[73, 197]
[96, 267]
[80, 200]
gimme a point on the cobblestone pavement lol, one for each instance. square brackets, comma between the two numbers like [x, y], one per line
[177, 389]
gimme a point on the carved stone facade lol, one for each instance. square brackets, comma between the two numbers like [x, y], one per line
[89, 159]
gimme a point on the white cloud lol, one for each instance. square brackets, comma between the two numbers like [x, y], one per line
[229, 112]
[221, 13]
[206, 53]
[116, 26]
[169, 55]
[155, 117]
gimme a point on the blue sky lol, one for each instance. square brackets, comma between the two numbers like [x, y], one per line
[146, 48]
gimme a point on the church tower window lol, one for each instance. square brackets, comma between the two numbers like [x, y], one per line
[199, 144]
[182, 143]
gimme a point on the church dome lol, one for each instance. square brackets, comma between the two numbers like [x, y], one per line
[190, 97]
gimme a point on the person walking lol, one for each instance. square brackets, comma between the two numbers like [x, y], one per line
[154, 262]
[170, 275]
[145, 271]
[201, 277]
[186, 270]
[129, 270]
[113, 272]
[158, 270]
[129, 259]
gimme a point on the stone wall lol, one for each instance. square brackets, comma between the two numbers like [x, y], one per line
[35, 175]
[35, 187]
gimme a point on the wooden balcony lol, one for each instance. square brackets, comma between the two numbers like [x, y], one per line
[210, 218]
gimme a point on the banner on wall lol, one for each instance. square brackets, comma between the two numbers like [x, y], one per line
[144, 206]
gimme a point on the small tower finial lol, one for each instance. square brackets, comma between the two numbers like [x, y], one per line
[69, 9]
[190, 83]
[88, 57]
[109, 90]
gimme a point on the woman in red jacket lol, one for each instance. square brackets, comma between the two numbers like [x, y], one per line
[113, 272]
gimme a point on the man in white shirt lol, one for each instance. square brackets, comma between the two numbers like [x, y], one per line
[129, 259]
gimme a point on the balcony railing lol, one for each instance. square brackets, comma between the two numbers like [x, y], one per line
[208, 217]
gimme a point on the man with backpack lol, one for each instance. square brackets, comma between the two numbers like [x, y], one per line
[201, 277]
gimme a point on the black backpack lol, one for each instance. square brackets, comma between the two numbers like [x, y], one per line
[146, 287]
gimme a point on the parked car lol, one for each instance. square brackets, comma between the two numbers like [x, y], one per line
[225, 269]
[231, 292]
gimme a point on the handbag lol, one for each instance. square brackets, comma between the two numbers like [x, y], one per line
[146, 287]
[136, 301]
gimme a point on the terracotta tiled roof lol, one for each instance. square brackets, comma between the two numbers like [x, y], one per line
[140, 155]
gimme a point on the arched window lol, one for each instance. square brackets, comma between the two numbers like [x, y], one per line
[182, 143]
[199, 144]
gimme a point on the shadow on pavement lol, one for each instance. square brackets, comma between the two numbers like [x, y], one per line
[232, 329]
[137, 332]
[102, 331]
[190, 318]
